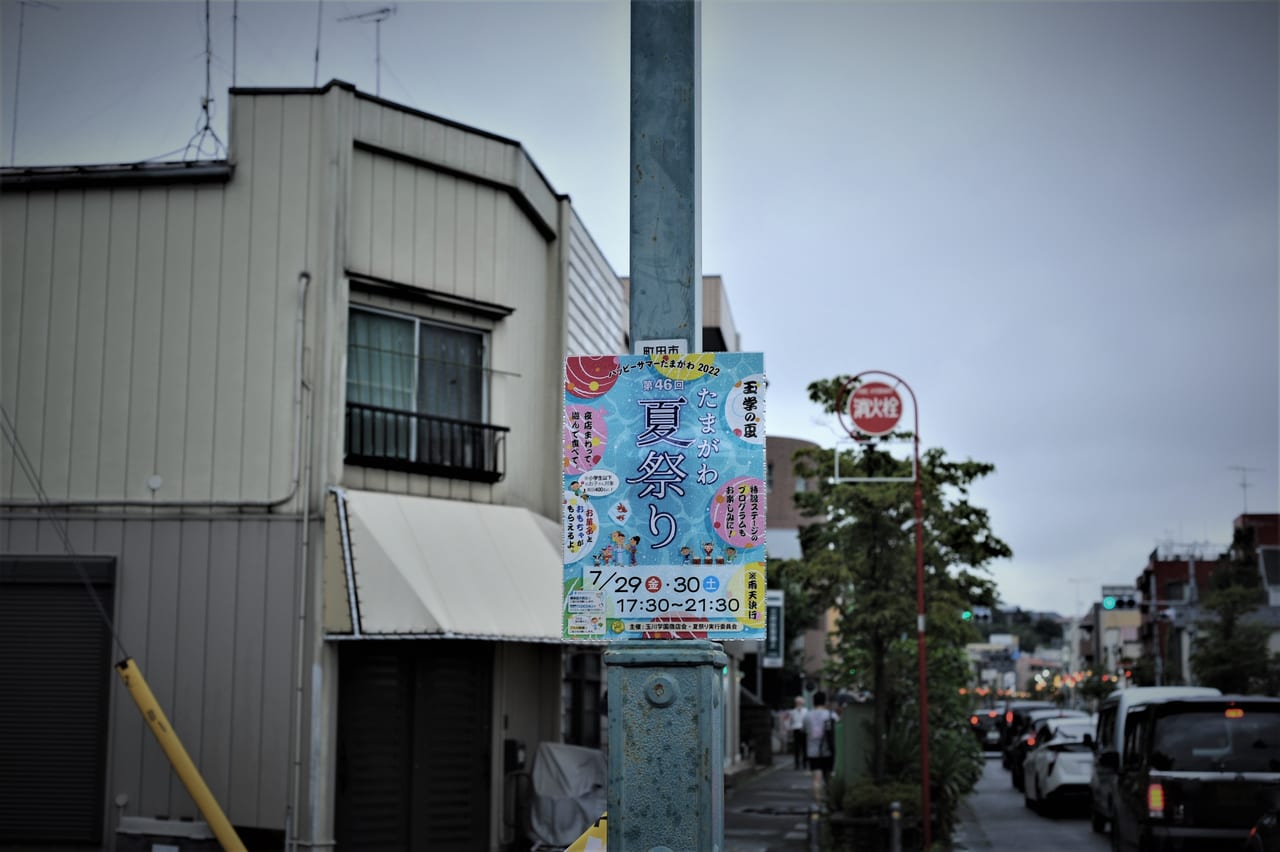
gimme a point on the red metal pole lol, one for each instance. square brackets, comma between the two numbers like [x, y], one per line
[924, 683]
[925, 809]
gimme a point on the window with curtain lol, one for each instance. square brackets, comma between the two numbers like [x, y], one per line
[416, 393]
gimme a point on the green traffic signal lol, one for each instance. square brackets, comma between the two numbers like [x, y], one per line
[967, 615]
[1109, 602]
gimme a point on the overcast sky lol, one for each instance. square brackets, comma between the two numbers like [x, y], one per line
[1056, 221]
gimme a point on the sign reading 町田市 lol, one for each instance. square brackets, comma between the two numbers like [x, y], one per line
[664, 496]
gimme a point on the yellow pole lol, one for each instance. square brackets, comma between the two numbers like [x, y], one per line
[178, 757]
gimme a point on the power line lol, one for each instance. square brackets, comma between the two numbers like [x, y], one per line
[33, 477]
[17, 73]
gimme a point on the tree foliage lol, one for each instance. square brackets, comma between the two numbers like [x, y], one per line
[1230, 651]
[801, 606]
[860, 558]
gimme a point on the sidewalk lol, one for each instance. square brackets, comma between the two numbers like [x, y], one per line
[768, 809]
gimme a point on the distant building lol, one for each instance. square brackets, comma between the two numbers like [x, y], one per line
[1177, 579]
[1266, 531]
[785, 523]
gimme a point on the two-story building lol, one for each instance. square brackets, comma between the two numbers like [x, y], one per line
[284, 429]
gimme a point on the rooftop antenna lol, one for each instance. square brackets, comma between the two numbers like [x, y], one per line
[196, 144]
[1244, 482]
[376, 17]
[315, 73]
[1076, 581]
[17, 74]
[235, 26]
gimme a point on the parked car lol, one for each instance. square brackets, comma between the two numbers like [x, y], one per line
[985, 725]
[1013, 723]
[1016, 754]
[1057, 770]
[1196, 773]
[1111, 720]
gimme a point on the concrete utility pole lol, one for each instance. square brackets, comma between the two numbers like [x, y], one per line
[666, 741]
[666, 143]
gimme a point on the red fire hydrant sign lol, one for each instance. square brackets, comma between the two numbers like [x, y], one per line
[875, 408]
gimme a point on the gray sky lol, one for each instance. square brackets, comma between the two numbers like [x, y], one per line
[1056, 221]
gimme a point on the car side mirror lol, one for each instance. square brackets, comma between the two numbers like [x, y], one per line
[1109, 760]
[1088, 740]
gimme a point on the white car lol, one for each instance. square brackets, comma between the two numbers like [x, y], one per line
[1057, 769]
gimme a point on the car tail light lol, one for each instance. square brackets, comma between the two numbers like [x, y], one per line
[973, 720]
[1155, 801]
[1031, 742]
[1234, 713]
[1008, 717]
[991, 714]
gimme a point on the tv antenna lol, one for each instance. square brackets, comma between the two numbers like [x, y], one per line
[376, 17]
[17, 74]
[315, 69]
[196, 144]
[1076, 581]
[1244, 482]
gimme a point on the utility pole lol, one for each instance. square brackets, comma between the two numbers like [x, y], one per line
[666, 740]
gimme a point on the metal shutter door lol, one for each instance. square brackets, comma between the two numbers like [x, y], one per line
[53, 707]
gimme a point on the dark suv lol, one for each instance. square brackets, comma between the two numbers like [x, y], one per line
[1196, 773]
[985, 725]
[1014, 723]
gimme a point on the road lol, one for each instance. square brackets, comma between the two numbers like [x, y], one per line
[994, 819]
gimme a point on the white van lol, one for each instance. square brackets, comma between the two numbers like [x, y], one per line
[1106, 743]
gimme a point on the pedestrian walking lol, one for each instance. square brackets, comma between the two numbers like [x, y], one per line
[795, 719]
[819, 724]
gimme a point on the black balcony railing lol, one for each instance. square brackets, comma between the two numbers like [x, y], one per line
[422, 443]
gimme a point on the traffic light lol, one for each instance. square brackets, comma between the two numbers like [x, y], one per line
[982, 614]
[967, 615]
[1120, 600]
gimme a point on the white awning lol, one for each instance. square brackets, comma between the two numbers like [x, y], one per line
[417, 566]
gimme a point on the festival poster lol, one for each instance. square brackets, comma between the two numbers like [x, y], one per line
[664, 496]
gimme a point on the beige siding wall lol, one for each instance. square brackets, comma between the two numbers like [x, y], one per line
[597, 313]
[207, 608]
[158, 338]
[412, 224]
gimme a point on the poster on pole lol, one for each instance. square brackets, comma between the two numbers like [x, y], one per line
[664, 497]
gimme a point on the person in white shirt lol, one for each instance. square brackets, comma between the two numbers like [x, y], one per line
[796, 720]
[819, 747]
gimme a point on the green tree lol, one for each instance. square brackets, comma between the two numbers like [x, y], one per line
[1231, 652]
[860, 558]
[801, 607]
